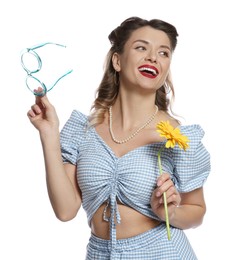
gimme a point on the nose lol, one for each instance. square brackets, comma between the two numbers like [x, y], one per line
[151, 56]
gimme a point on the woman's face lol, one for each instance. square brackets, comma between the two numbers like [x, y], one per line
[146, 59]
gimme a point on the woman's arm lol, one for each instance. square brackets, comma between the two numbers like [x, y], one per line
[63, 190]
[191, 211]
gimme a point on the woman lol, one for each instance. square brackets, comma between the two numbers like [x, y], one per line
[108, 161]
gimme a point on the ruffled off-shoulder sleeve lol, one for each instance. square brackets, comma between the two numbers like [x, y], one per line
[71, 136]
[191, 167]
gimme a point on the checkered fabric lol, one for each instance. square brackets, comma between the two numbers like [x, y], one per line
[104, 177]
[151, 245]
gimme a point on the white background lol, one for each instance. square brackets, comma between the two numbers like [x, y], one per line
[201, 69]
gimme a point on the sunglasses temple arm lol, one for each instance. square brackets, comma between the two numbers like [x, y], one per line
[43, 44]
[60, 79]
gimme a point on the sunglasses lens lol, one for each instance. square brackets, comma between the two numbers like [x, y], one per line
[35, 86]
[30, 62]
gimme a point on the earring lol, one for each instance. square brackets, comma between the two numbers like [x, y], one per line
[167, 87]
[116, 78]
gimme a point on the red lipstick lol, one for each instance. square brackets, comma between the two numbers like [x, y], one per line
[148, 71]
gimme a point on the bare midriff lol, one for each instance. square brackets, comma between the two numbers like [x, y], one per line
[132, 223]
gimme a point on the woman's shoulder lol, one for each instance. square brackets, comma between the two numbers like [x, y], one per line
[194, 131]
[77, 122]
[192, 166]
[72, 135]
[78, 116]
[166, 117]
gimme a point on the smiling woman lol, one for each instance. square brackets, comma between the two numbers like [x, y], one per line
[107, 161]
[151, 57]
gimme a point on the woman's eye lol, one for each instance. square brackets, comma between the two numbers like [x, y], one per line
[164, 53]
[140, 48]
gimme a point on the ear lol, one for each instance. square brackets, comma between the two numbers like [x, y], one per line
[116, 61]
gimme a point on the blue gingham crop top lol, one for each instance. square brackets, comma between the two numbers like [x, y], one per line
[131, 179]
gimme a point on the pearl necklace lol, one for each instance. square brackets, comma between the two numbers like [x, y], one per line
[134, 133]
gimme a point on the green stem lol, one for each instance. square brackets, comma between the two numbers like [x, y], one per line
[164, 196]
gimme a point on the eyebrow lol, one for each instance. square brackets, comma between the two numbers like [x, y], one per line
[146, 42]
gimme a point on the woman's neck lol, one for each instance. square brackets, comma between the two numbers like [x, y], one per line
[128, 113]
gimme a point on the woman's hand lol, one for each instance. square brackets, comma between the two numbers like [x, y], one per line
[165, 184]
[43, 115]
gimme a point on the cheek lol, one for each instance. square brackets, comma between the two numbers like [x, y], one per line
[166, 64]
[165, 68]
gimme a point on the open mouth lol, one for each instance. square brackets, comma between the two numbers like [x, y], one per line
[150, 72]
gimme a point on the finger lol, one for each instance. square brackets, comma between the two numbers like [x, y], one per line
[171, 191]
[165, 187]
[162, 178]
[172, 196]
[172, 199]
[45, 101]
[39, 93]
[39, 90]
[31, 114]
[36, 108]
[155, 199]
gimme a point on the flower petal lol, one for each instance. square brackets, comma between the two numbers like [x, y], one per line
[173, 135]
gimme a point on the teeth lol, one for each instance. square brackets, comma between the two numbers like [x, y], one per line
[148, 69]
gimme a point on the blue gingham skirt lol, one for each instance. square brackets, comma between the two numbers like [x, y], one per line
[151, 245]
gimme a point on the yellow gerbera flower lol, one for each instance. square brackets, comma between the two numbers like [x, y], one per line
[173, 136]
